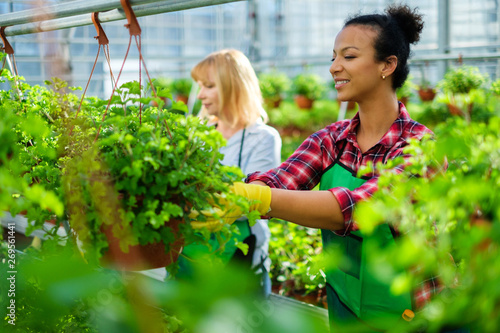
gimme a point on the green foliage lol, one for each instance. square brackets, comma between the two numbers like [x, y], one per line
[274, 85]
[182, 86]
[57, 291]
[462, 80]
[310, 85]
[407, 89]
[289, 118]
[30, 115]
[445, 214]
[495, 87]
[293, 250]
[146, 169]
[134, 169]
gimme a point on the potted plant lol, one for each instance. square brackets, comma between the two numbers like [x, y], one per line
[296, 265]
[405, 92]
[460, 86]
[273, 86]
[41, 111]
[129, 193]
[425, 91]
[495, 88]
[181, 88]
[127, 180]
[307, 88]
[162, 84]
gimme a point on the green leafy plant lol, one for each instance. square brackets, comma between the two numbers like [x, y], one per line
[182, 86]
[274, 85]
[34, 158]
[290, 120]
[426, 91]
[132, 172]
[463, 87]
[143, 176]
[495, 87]
[449, 220]
[461, 80]
[294, 250]
[310, 85]
[406, 91]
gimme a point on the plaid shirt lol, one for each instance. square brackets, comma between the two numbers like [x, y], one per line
[303, 170]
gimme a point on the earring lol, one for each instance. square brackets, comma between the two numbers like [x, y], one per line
[383, 77]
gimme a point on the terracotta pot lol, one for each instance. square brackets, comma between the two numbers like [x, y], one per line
[140, 257]
[273, 102]
[293, 131]
[311, 298]
[427, 94]
[477, 220]
[182, 98]
[303, 102]
[156, 104]
[404, 100]
[455, 110]
[276, 288]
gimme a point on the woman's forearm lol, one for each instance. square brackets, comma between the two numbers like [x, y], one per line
[313, 209]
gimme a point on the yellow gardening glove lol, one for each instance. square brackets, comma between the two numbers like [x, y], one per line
[260, 197]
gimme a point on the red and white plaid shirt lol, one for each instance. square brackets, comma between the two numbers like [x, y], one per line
[303, 170]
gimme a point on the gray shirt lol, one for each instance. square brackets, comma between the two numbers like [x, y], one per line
[261, 151]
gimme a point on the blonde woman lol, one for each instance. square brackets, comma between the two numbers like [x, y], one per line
[232, 101]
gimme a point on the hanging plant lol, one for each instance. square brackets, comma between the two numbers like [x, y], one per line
[130, 194]
[462, 88]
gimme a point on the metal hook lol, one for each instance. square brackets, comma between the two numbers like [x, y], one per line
[132, 25]
[6, 45]
[101, 36]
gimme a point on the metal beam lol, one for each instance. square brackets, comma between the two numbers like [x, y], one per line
[66, 9]
[444, 33]
[116, 14]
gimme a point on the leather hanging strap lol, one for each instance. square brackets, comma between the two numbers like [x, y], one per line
[6, 45]
[133, 25]
[101, 36]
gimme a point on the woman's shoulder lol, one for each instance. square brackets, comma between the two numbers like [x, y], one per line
[411, 128]
[262, 129]
[336, 130]
[416, 130]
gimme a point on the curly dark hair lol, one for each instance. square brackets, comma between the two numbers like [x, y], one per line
[399, 27]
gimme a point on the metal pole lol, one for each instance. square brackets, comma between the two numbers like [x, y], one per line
[66, 9]
[113, 15]
[498, 27]
[443, 33]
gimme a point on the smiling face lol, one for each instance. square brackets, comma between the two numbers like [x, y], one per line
[209, 94]
[356, 72]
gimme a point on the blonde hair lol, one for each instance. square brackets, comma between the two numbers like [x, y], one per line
[240, 98]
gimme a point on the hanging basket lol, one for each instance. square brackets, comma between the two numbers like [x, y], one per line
[140, 257]
[182, 98]
[303, 102]
[455, 110]
[427, 95]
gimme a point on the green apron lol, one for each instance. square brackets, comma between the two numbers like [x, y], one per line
[354, 293]
[196, 252]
